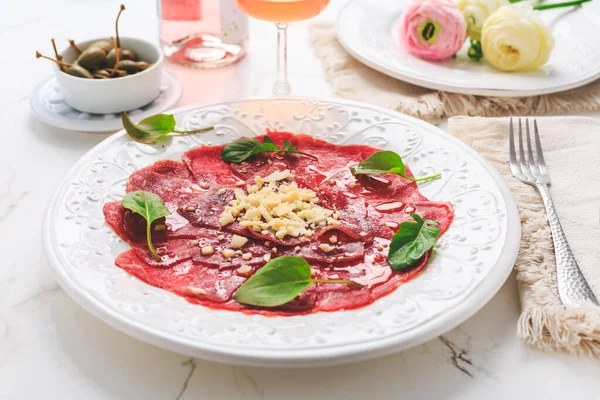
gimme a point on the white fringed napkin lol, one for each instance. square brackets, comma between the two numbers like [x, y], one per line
[572, 152]
[353, 80]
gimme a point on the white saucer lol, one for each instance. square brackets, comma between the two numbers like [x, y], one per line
[48, 104]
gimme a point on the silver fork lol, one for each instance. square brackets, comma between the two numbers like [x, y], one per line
[573, 289]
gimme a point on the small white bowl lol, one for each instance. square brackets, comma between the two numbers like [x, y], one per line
[108, 96]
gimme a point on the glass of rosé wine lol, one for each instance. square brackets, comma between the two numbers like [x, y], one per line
[282, 12]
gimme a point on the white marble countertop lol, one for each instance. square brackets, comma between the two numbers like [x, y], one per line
[51, 348]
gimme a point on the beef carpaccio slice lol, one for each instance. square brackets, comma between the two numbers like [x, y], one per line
[196, 191]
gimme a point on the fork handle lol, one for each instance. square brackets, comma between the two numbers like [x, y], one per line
[573, 289]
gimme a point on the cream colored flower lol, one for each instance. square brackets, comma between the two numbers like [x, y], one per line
[476, 12]
[514, 38]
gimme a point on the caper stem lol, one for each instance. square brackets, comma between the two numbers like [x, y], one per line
[58, 56]
[117, 25]
[112, 39]
[74, 45]
[62, 64]
[120, 72]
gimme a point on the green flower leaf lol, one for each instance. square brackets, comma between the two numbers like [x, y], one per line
[475, 52]
[278, 282]
[412, 240]
[244, 148]
[151, 129]
[148, 205]
[386, 162]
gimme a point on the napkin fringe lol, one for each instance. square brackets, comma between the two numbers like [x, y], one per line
[551, 329]
[545, 323]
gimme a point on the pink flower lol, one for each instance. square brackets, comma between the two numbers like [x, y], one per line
[432, 29]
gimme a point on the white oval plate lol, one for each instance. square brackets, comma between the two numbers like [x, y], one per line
[366, 29]
[469, 265]
[48, 104]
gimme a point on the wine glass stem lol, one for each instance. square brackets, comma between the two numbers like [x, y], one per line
[281, 86]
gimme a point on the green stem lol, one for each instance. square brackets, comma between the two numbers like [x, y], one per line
[149, 239]
[424, 179]
[306, 154]
[559, 5]
[343, 281]
[194, 131]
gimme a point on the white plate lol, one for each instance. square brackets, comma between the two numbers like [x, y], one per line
[48, 104]
[366, 29]
[469, 265]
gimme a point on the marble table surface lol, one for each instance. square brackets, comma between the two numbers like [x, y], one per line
[50, 348]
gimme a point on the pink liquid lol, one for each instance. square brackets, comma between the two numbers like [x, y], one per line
[191, 33]
[282, 10]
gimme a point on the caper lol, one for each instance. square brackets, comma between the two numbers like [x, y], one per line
[124, 54]
[101, 59]
[92, 57]
[144, 65]
[102, 72]
[132, 67]
[79, 71]
[103, 44]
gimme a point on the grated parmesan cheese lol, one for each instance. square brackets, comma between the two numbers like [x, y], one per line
[197, 291]
[228, 253]
[326, 248]
[278, 176]
[278, 208]
[238, 242]
[244, 270]
[207, 250]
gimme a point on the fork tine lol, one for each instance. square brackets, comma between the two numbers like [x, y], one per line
[513, 154]
[538, 149]
[522, 160]
[530, 160]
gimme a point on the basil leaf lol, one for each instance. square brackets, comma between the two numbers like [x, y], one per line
[288, 146]
[149, 129]
[278, 282]
[244, 148]
[153, 128]
[148, 205]
[380, 163]
[240, 150]
[268, 140]
[386, 162]
[412, 240]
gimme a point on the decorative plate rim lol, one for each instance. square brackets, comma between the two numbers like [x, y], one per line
[470, 89]
[336, 354]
